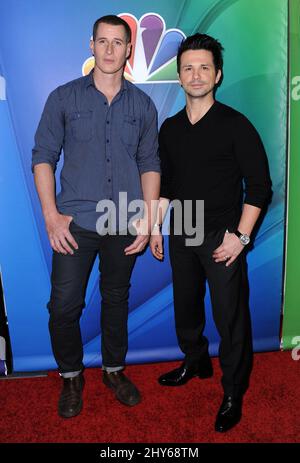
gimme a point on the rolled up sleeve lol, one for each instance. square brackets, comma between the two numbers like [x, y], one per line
[50, 133]
[147, 154]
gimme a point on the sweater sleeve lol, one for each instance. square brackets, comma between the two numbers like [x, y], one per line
[166, 173]
[253, 163]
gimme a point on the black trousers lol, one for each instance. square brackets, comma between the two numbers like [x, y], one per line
[69, 280]
[191, 267]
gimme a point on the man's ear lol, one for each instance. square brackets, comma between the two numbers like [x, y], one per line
[218, 76]
[129, 50]
[92, 46]
[178, 76]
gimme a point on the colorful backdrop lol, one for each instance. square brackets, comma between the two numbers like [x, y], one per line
[45, 44]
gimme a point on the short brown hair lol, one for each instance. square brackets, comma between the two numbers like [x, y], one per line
[115, 21]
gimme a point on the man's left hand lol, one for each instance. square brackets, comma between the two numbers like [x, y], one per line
[229, 249]
[142, 239]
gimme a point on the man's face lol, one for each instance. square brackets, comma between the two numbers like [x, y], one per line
[110, 48]
[197, 73]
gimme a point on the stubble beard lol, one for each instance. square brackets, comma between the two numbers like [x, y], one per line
[199, 93]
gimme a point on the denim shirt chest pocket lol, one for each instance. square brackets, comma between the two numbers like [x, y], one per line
[130, 134]
[81, 125]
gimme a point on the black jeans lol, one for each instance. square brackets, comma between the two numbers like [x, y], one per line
[228, 286]
[69, 279]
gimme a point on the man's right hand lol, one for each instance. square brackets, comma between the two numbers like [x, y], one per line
[156, 246]
[59, 234]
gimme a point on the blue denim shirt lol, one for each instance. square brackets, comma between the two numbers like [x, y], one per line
[106, 147]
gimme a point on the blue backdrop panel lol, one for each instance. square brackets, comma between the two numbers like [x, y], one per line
[49, 47]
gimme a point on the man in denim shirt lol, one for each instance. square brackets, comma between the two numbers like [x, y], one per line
[107, 129]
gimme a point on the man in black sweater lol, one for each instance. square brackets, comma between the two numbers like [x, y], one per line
[207, 151]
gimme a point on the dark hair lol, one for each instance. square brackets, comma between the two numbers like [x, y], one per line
[203, 42]
[115, 21]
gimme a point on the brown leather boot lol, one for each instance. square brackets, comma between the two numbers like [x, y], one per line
[125, 391]
[70, 400]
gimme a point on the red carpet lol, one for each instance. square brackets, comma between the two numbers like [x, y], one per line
[186, 414]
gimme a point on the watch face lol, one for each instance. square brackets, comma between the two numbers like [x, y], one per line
[245, 239]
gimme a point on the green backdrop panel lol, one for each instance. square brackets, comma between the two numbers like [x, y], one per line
[291, 314]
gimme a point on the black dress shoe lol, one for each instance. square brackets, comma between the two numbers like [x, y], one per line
[70, 400]
[229, 414]
[185, 372]
[125, 391]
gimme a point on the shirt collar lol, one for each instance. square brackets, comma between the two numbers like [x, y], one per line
[90, 81]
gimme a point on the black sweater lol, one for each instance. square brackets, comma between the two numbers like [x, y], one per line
[209, 161]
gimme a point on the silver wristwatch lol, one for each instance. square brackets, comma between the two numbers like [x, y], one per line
[244, 239]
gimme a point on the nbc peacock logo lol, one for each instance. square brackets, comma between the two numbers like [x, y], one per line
[154, 50]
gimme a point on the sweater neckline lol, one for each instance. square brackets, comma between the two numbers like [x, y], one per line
[203, 118]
